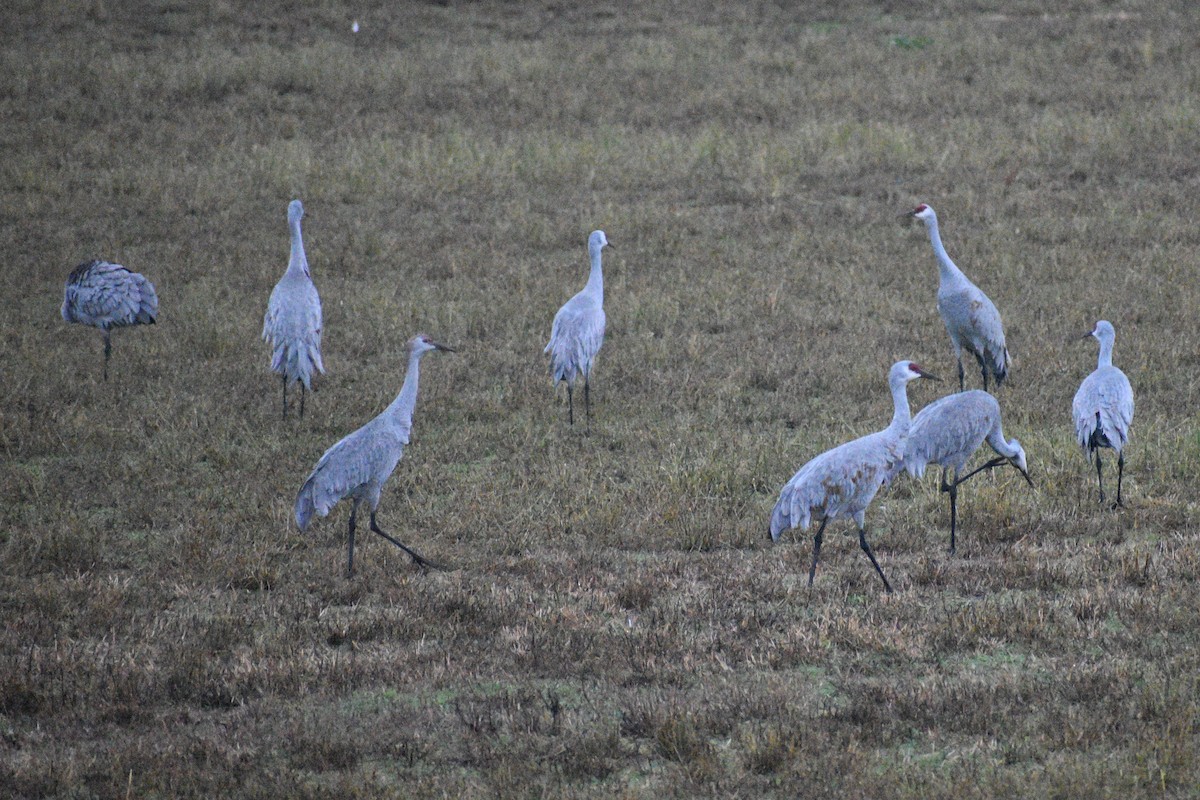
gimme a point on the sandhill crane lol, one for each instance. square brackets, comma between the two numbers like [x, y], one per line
[578, 331]
[840, 483]
[948, 431]
[359, 465]
[971, 318]
[292, 324]
[107, 296]
[1103, 408]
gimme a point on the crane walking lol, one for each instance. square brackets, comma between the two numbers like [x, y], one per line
[578, 331]
[971, 318]
[1103, 408]
[840, 483]
[359, 465]
[947, 432]
[107, 296]
[292, 324]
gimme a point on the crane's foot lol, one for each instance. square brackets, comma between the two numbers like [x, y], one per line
[418, 559]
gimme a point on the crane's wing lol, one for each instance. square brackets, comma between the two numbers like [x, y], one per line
[292, 326]
[108, 295]
[949, 430]
[367, 456]
[838, 483]
[972, 319]
[1110, 401]
[576, 337]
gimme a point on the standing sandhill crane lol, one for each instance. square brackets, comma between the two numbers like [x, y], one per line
[108, 296]
[971, 318]
[359, 465]
[292, 324]
[1103, 408]
[578, 331]
[947, 432]
[840, 483]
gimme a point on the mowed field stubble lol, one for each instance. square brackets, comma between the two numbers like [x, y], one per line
[616, 622]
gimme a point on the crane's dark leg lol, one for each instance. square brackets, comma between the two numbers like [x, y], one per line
[570, 405]
[983, 369]
[1120, 475]
[302, 400]
[862, 541]
[960, 373]
[952, 490]
[107, 351]
[417, 558]
[285, 397]
[1099, 477]
[350, 555]
[587, 403]
[995, 462]
[812, 571]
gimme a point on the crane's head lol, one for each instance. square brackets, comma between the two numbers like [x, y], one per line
[1018, 461]
[421, 344]
[295, 212]
[1103, 330]
[597, 241]
[921, 212]
[909, 371]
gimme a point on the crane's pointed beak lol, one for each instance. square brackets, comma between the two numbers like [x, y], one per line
[927, 375]
[441, 346]
[906, 215]
[1025, 475]
[610, 244]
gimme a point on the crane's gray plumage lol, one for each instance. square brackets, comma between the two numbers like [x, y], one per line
[840, 483]
[578, 331]
[107, 296]
[292, 324]
[1103, 408]
[971, 318]
[948, 431]
[359, 465]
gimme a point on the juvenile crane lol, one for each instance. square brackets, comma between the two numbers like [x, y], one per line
[578, 331]
[292, 324]
[971, 318]
[108, 296]
[947, 432]
[1103, 408]
[359, 465]
[840, 483]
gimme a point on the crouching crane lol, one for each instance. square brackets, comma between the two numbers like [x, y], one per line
[947, 432]
[108, 296]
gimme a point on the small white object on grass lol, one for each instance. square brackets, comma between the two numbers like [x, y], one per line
[354, 26]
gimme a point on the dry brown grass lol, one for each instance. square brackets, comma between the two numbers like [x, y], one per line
[617, 624]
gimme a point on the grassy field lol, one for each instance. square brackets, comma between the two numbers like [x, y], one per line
[617, 622]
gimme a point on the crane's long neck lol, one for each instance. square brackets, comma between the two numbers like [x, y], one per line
[902, 417]
[1106, 348]
[298, 261]
[402, 407]
[996, 439]
[949, 271]
[595, 284]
